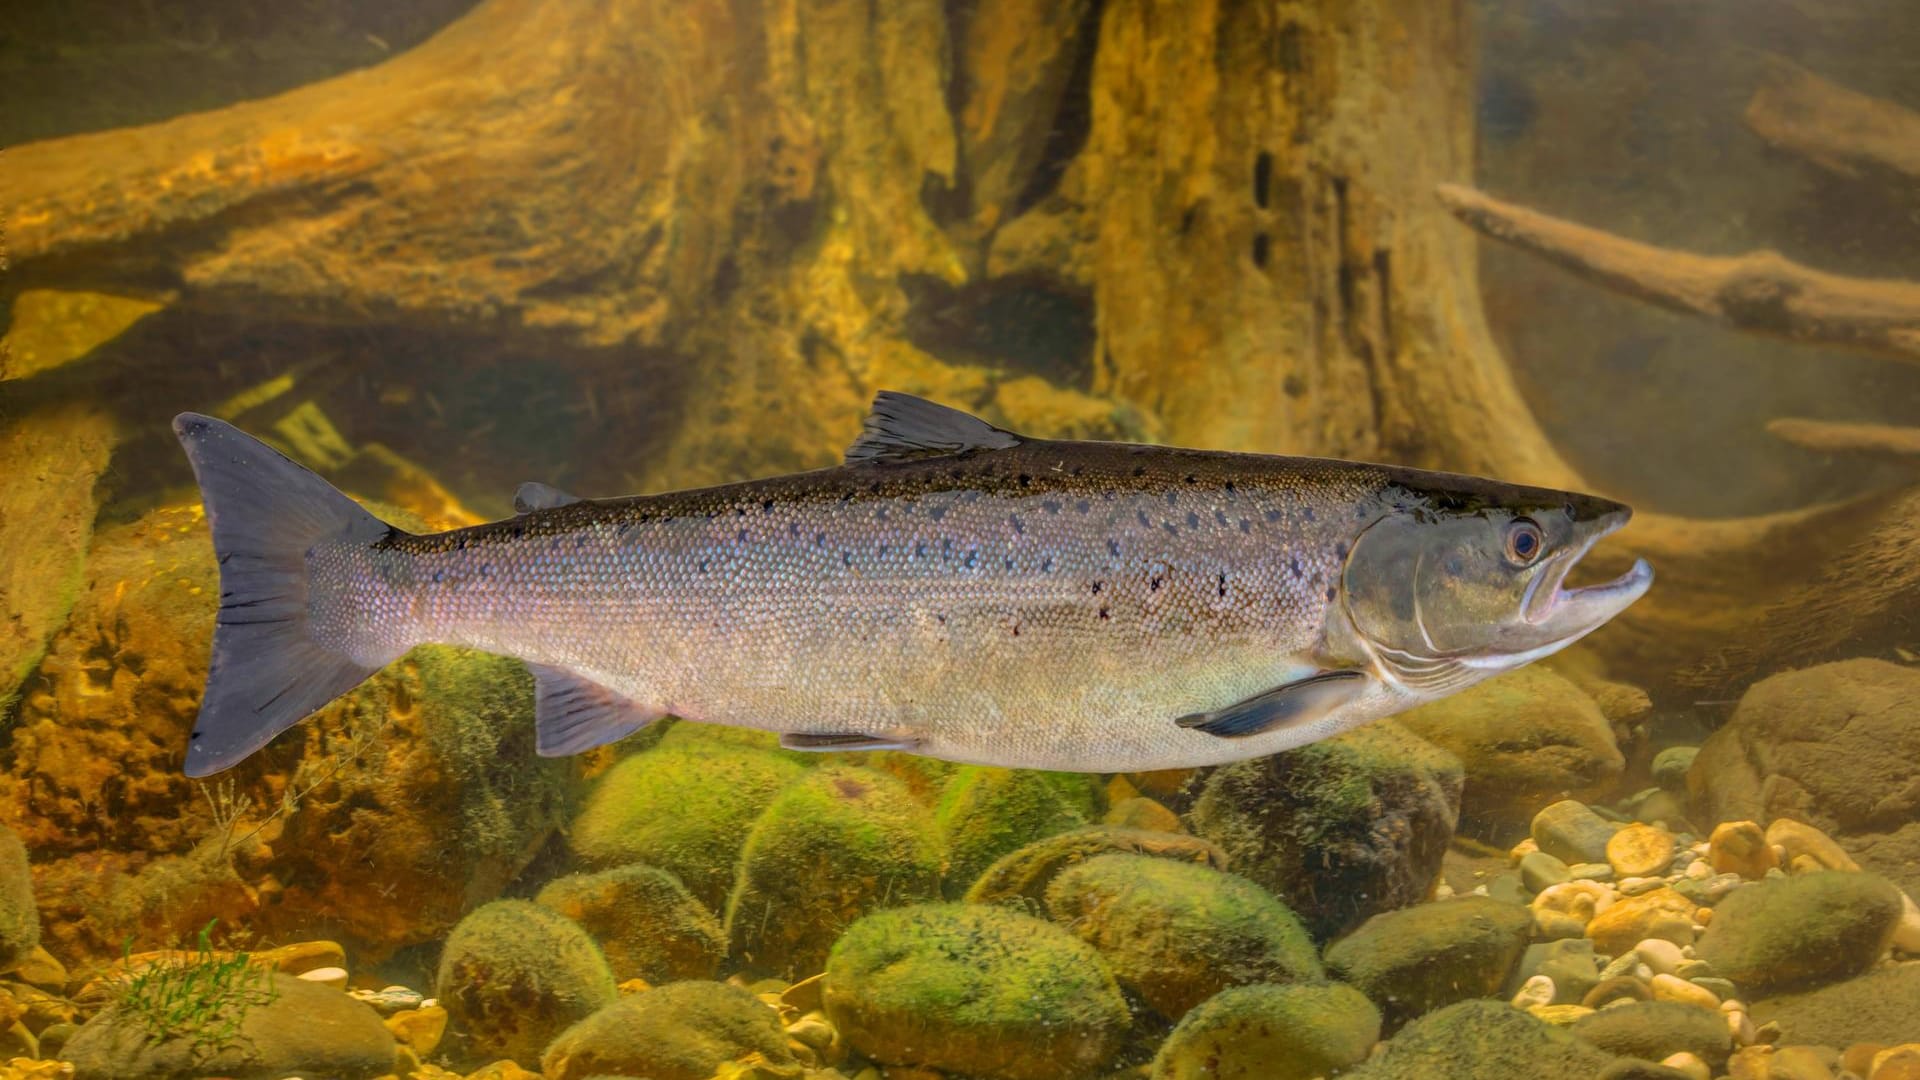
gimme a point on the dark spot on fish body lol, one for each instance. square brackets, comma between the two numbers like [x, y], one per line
[1246, 526]
[1293, 564]
[919, 551]
[1025, 480]
[1046, 565]
[1018, 525]
[1113, 548]
[1139, 471]
[1096, 588]
[1172, 498]
[1221, 585]
[1306, 514]
[1083, 506]
[1228, 488]
[972, 558]
[938, 512]
[1103, 612]
[1192, 479]
[1154, 584]
[1330, 592]
[741, 536]
[1171, 528]
[1193, 520]
[1220, 517]
[1050, 506]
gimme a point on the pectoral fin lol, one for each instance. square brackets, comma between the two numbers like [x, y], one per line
[1299, 702]
[842, 740]
[573, 714]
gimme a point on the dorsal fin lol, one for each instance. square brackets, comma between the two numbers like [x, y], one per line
[901, 427]
[536, 496]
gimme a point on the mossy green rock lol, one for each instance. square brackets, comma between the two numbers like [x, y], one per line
[986, 812]
[976, 990]
[305, 1029]
[1569, 962]
[1482, 1040]
[1019, 879]
[1271, 1033]
[19, 919]
[1177, 934]
[1879, 1007]
[837, 844]
[1525, 738]
[512, 976]
[681, 1031]
[647, 924]
[1656, 1029]
[1414, 961]
[1340, 829]
[1800, 932]
[683, 807]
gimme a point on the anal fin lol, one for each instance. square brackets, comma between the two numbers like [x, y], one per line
[573, 714]
[843, 740]
[1299, 702]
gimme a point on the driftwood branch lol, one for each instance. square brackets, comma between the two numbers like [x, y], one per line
[1834, 437]
[1840, 129]
[1761, 292]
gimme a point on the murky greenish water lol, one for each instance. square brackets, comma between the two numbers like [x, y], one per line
[1662, 253]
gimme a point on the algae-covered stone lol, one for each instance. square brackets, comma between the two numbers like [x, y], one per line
[686, 808]
[512, 976]
[1525, 738]
[1801, 932]
[1879, 1007]
[976, 990]
[291, 1027]
[647, 924]
[986, 812]
[1019, 879]
[681, 1031]
[1271, 1033]
[1339, 829]
[837, 844]
[1570, 831]
[1655, 1029]
[19, 919]
[1836, 746]
[1569, 962]
[1413, 961]
[1176, 933]
[1481, 1040]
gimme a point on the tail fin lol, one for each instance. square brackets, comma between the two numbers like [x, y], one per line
[268, 673]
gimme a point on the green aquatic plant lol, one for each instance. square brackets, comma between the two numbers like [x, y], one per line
[200, 998]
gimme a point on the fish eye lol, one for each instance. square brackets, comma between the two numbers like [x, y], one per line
[1524, 542]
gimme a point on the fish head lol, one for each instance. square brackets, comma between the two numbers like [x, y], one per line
[1452, 584]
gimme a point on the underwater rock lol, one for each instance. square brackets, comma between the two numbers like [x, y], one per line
[1740, 847]
[1177, 934]
[1801, 932]
[681, 1031]
[685, 808]
[833, 846]
[1340, 829]
[1140, 812]
[1801, 840]
[976, 990]
[383, 818]
[986, 812]
[1481, 1040]
[1570, 963]
[1669, 768]
[1655, 1029]
[512, 976]
[1570, 831]
[1661, 913]
[1525, 738]
[19, 918]
[1271, 1033]
[646, 922]
[1020, 878]
[1567, 909]
[1878, 1007]
[1414, 961]
[285, 1027]
[1836, 746]
[1640, 851]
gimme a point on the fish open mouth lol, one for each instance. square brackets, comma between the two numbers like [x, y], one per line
[1574, 612]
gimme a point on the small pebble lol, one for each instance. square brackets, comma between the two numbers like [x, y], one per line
[1720, 988]
[327, 976]
[1897, 1063]
[1540, 871]
[1699, 870]
[1906, 935]
[1739, 1026]
[1673, 988]
[1798, 839]
[1521, 850]
[1640, 850]
[1590, 871]
[1570, 831]
[1634, 886]
[1560, 1015]
[1537, 990]
[1694, 969]
[1687, 1063]
[1661, 956]
[1740, 847]
[1619, 988]
[1620, 965]
[389, 1000]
